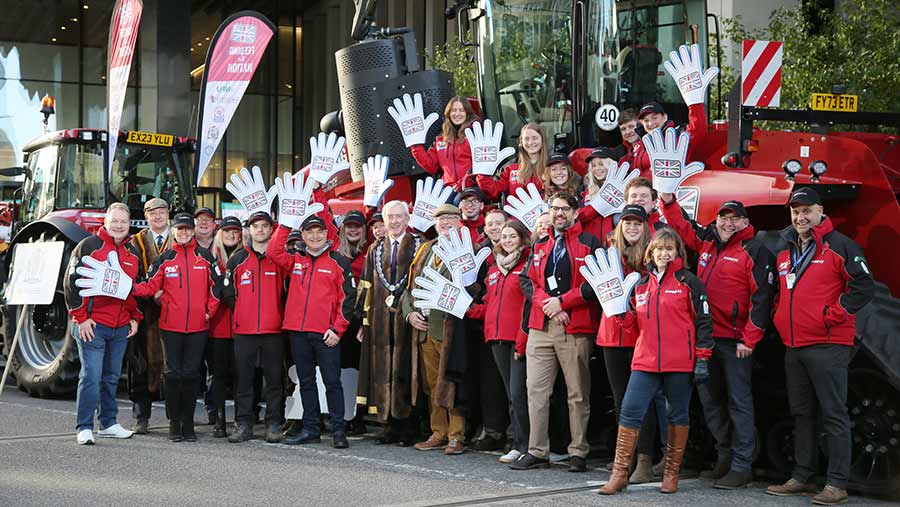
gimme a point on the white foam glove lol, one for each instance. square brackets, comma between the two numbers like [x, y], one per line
[410, 118]
[484, 141]
[604, 273]
[667, 159]
[611, 197]
[99, 278]
[526, 206]
[295, 200]
[326, 151]
[438, 293]
[250, 190]
[375, 174]
[430, 194]
[455, 250]
[686, 69]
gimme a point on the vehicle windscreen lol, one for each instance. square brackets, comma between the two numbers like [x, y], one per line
[141, 172]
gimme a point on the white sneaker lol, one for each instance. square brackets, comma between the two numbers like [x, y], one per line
[510, 457]
[85, 437]
[115, 431]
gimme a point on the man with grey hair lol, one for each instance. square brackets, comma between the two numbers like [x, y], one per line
[386, 355]
[102, 325]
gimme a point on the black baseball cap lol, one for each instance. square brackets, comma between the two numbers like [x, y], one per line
[260, 215]
[634, 211]
[601, 152]
[295, 236]
[377, 217]
[556, 158]
[230, 223]
[312, 221]
[651, 107]
[737, 207]
[354, 217]
[201, 211]
[804, 196]
[183, 220]
[470, 192]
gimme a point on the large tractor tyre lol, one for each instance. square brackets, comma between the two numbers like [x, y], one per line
[874, 409]
[45, 363]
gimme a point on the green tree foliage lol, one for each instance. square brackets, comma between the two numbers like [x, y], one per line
[457, 59]
[858, 46]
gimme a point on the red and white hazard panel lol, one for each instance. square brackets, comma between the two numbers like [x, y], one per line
[761, 73]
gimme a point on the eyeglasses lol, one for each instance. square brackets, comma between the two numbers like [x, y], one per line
[560, 209]
[733, 219]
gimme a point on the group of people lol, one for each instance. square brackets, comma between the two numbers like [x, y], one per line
[466, 309]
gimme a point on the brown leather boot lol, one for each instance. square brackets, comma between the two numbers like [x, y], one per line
[675, 444]
[625, 444]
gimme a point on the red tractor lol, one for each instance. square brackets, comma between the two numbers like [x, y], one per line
[63, 198]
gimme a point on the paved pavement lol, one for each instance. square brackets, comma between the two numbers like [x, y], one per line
[40, 464]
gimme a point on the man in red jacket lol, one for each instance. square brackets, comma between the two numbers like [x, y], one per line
[561, 325]
[738, 272]
[471, 204]
[254, 289]
[321, 299]
[653, 116]
[823, 280]
[103, 325]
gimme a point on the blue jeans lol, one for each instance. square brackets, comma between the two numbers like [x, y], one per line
[309, 350]
[101, 366]
[642, 389]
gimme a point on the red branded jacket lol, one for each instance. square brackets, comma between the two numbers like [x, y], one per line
[613, 332]
[738, 276]
[476, 229]
[105, 310]
[454, 159]
[696, 127]
[321, 291]
[502, 307]
[584, 311]
[595, 223]
[830, 284]
[220, 324]
[255, 288]
[190, 280]
[507, 183]
[672, 321]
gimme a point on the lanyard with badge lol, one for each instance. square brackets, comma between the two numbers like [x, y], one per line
[551, 280]
[791, 278]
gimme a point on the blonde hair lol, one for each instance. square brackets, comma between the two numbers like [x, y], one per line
[450, 132]
[536, 234]
[528, 170]
[632, 254]
[666, 237]
[350, 250]
[221, 252]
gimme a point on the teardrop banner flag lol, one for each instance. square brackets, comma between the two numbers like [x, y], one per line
[233, 57]
[123, 32]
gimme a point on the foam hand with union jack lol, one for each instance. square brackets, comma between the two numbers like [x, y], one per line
[667, 159]
[611, 197]
[686, 69]
[409, 115]
[375, 174]
[434, 292]
[326, 151]
[430, 194]
[526, 206]
[484, 141]
[295, 200]
[98, 278]
[603, 271]
[250, 190]
[455, 250]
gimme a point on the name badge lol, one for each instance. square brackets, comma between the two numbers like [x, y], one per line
[551, 283]
[790, 279]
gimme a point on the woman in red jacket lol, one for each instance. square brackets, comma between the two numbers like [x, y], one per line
[450, 153]
[502, 315]
[184, 319]
[219, 345]
[599, 162]
[560, 177]
[674, 338]
[530, 167]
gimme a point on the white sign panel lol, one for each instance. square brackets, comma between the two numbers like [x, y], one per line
[35, 271]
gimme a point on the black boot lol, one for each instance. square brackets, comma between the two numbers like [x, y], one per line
[219, 429]
[173, 408]
[188, 404]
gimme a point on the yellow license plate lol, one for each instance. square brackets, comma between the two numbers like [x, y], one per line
[833, 102]
[135, 136]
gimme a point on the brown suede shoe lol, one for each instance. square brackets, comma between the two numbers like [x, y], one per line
[791, 487]
[454, 447]
[432, 444]
[830, 496]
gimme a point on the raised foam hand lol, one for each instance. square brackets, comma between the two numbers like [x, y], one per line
[250, 190]
[603, 271]
[434, 292]
[375, 174]
[667, 159]
[98, 278]
[526, 205]
[686, 68]
[430, 194]
[295, 200]
[408, 112]
[484, 141]
[326, 153]
[611, 197]
[455, 250]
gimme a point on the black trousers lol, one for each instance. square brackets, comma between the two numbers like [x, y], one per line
[269, 350]
[220, 358]
[309, 351]
[184, 357]
[816, 378]
[492, 393]
[618, 371]
[513, 374]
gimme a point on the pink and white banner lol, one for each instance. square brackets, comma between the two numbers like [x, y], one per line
[233, 57]
[123, 32]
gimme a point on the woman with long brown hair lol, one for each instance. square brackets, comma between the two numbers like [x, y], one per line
[450, 153]
[560, 177]
[530, 167]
